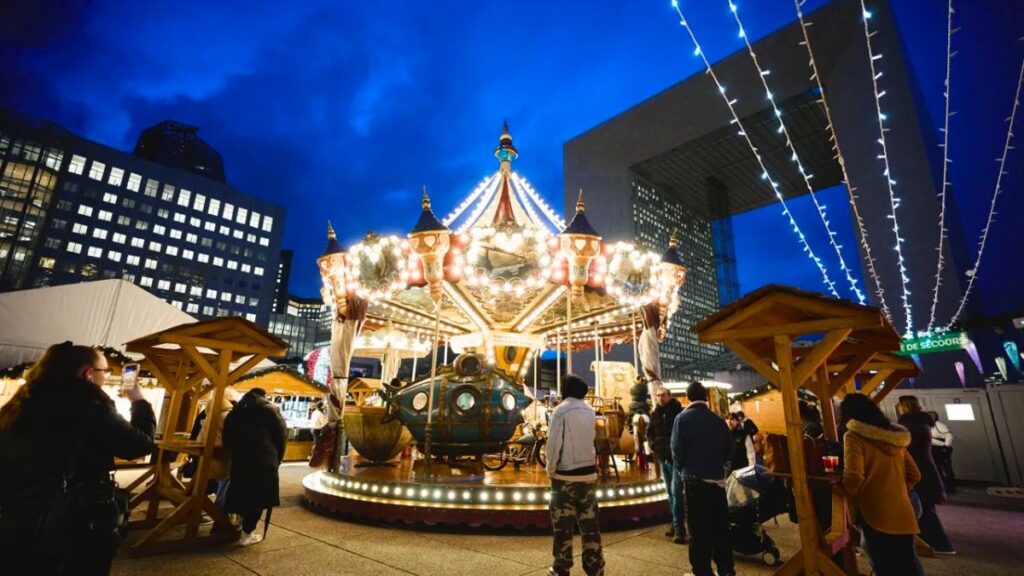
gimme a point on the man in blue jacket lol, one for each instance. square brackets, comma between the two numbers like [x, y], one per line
[701, 445]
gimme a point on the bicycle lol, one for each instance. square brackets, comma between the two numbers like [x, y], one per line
[527, 448]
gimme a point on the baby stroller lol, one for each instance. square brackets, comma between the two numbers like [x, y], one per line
[755, 497]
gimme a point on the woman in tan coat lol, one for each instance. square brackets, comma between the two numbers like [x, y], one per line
[878, 474]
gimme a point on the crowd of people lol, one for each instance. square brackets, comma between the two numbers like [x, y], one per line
[61, 512]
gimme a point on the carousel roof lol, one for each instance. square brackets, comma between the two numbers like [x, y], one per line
[505, 272]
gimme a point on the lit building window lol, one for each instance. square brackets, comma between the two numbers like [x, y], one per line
[116, 175]
[204, 258]
[179, 287]
[268, 223]
[134, 180]
[172, 250]
[47, 263]
[192, 308]
[200, 203]
[96, 170]
[106, 215]
[259, 272]
[214, 207]
[142, 225]
[110, 198]
[163, 213]
[74, 247]
[158, 229]
[146, 281]
[163, 285]
[84, 210]
[224, 230]
[168, 193]
[246, 268]
[225, 296]
[238, 234]
[209, 226]
[184, 197]
[155, 246]
[229, 211]
[208, 310]
[115, 256]
[150, 264]
[99, 233]
[132, 260]
[250, 238]
[138, 243]
[211, 294]
[242, 215]
[250, 317]
[191, 238]
[151, 187]
[176, 234]
[119, 238]
[77, 165]
[264, 241]
[188, 254]
[80, 228]
[95, 252]
[179, 217]
[193, 221]
[254, 219]
[232, 265]
[239, 299]
[218, 261]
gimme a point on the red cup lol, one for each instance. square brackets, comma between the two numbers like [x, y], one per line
[830, 463]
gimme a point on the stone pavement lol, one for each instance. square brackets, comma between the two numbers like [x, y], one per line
[301, 542]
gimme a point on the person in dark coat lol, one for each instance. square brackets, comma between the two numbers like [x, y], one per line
[742, 454]
[61, 420]
[659, 436]
[255, 434]
[929, 490]
[701, 449]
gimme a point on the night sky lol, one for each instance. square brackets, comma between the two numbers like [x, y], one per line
[343, 110]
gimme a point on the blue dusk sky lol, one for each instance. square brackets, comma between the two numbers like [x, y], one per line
[343, 110]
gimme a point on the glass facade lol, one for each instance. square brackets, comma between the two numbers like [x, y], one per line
[69, 213]
[655, 215]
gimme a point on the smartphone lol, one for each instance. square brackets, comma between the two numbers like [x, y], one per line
[129, 376]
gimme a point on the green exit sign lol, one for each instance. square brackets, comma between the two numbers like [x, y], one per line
[935, 343]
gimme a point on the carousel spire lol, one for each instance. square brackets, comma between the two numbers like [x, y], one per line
[580, 207]
[505, 152]
[579, 223]
[333, 246]
[428, 222]
[671, 255]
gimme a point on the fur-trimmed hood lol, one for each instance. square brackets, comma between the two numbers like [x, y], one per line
[892, 440]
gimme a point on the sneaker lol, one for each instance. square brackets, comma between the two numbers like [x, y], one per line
[946, 552]
[250, 538]
[671, 531]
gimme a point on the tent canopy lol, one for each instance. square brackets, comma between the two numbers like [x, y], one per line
[105, 313]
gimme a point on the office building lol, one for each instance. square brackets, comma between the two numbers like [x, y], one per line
[73, 210]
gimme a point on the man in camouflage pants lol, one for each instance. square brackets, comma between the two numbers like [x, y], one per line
[571, 466]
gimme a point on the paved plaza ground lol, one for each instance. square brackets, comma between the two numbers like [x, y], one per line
[301, 542]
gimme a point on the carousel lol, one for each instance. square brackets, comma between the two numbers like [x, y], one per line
[498, 281]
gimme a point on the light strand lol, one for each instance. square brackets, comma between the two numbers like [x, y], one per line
[841, 159]
[469, 200]
[941, 260]
[484, 201]
[547, 210]
[763, 75]
[894, 202]
[764, 170]
[973, 272]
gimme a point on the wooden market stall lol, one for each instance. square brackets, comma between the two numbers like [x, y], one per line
[294, 394]
[856, 347]
[763, 405]
[190, 361]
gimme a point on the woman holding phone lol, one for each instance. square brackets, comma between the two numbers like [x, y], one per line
[59, 435]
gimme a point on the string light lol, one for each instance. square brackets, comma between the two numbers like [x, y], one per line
[941, 260]
[551, 215]
[973, 272]
[469, 199]
[894, 202]
[764, 170]
[841, 159]
[763, 74]
[492, 190]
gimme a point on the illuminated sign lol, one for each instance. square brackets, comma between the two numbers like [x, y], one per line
[935, 343]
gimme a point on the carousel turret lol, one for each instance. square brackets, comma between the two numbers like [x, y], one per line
[430, 239]
[505, 152]
[672, 275]
[333, 266]
[580, 243]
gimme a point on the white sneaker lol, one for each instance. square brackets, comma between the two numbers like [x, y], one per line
[250, 538]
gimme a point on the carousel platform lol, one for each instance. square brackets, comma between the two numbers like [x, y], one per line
[508, 498]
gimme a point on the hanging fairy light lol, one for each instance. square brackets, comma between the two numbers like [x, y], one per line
[972, 273]
[763, 75]
[551, 215]
[941, 260]
[841, 159]
[894, 201]
[731, 103]
[480, 189]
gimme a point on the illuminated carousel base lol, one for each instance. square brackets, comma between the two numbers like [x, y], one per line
[508, 498]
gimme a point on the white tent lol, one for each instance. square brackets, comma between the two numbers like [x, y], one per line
[103, 313]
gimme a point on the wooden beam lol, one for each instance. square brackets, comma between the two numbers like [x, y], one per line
[828, 411]
[200, 361]
[738, 316]
[823, 307]
[822, 350]
[850, 371]
[875, 381]
[212, 427]
[893, 383]
[244, 368]
[794, 328]
[756, 362]
[212, 344]
[807, 521]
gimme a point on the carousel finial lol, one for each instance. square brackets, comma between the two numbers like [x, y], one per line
[673, 240]
[579, 202]
[330, 231]
[425, 202]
